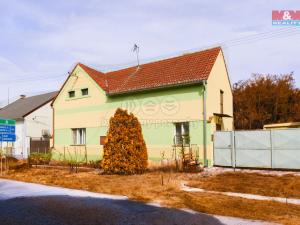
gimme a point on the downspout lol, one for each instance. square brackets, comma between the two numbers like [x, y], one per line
[204, 124]
[53, 117]
[24, 140]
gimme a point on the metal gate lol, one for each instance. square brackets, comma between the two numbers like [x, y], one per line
[39, 145]
[258, 149]
[223, 154]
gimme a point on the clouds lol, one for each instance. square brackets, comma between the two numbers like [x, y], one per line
[46, 38]
[8, 67]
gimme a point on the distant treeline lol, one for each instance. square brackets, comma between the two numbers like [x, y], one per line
[265, 99]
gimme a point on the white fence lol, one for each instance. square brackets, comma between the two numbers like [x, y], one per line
[278, 149]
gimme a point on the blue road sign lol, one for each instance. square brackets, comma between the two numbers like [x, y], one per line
[7, 130]
[8, 137]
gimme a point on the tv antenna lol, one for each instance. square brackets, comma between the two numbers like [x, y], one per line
[136, 49]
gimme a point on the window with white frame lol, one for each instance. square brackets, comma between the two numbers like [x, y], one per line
[79, 136]
[182, 133]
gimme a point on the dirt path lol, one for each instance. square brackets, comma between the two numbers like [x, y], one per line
[26, 203]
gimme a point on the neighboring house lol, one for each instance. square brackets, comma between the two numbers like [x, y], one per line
[282, 125]
[183, 99]
[34, 120]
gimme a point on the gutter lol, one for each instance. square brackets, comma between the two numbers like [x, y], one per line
[204, 124]
[156, 88]
[203, 82]
[53, 124]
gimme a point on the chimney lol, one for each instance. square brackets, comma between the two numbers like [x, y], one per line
[22, 96]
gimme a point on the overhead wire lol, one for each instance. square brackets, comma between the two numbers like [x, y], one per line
[270, 34]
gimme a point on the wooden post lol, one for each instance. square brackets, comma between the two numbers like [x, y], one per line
[6, 164]
[1, 157]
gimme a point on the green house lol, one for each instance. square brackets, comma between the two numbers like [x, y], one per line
[179, 101]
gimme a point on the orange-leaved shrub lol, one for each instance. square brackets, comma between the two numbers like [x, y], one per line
[125, 150]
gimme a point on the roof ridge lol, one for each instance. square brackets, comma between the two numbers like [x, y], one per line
[41, 94]
[29, 97]
[154, 61]
[164, 59]
[84, 65]
[21, 107]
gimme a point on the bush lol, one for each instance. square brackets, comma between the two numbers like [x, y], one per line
[125, 150]
[39, 158]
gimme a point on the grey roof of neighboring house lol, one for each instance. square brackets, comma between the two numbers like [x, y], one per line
[23, 106]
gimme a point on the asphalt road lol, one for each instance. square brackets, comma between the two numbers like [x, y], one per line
[34, 204]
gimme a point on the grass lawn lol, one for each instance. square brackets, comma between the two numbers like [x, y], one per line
[148, 187]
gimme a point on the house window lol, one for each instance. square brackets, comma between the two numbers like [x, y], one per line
[71, 94]
[79, 136]
[182, 135]
[221, 101]
[85, 91]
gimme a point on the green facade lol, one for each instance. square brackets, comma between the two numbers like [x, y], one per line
[181, 94]
[158, 133]
[155, 135]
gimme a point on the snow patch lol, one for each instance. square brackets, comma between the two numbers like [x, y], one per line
[294, 201]
[13, 189]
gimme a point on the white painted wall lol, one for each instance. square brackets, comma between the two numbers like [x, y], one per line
[34, 123]
[40, 119]
[32, 126]
[19, 146]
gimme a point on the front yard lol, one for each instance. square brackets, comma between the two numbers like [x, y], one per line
[252, 183]
[165, 188]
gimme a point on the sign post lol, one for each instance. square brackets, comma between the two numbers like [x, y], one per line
[7, 134]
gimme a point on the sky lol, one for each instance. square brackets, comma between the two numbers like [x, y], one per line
[41, 41]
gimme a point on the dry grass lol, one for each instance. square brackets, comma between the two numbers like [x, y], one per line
[13, 163]
[148, 187]
[139, 187]
[238, 207]
[252, 183]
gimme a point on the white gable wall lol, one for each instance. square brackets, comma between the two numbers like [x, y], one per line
[34, 123]
[40, 119]
[31, 127]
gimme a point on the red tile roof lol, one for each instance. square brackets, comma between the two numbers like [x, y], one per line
[180, 70]
[98, 77]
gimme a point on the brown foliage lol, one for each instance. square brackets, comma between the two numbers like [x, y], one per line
[125, 151]
[265, 99]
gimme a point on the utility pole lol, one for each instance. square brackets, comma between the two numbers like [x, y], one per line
[8, 96]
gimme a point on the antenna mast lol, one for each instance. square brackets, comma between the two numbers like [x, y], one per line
[136, 49]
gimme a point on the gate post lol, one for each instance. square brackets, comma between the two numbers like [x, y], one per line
[271, 148]
[233, 164]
